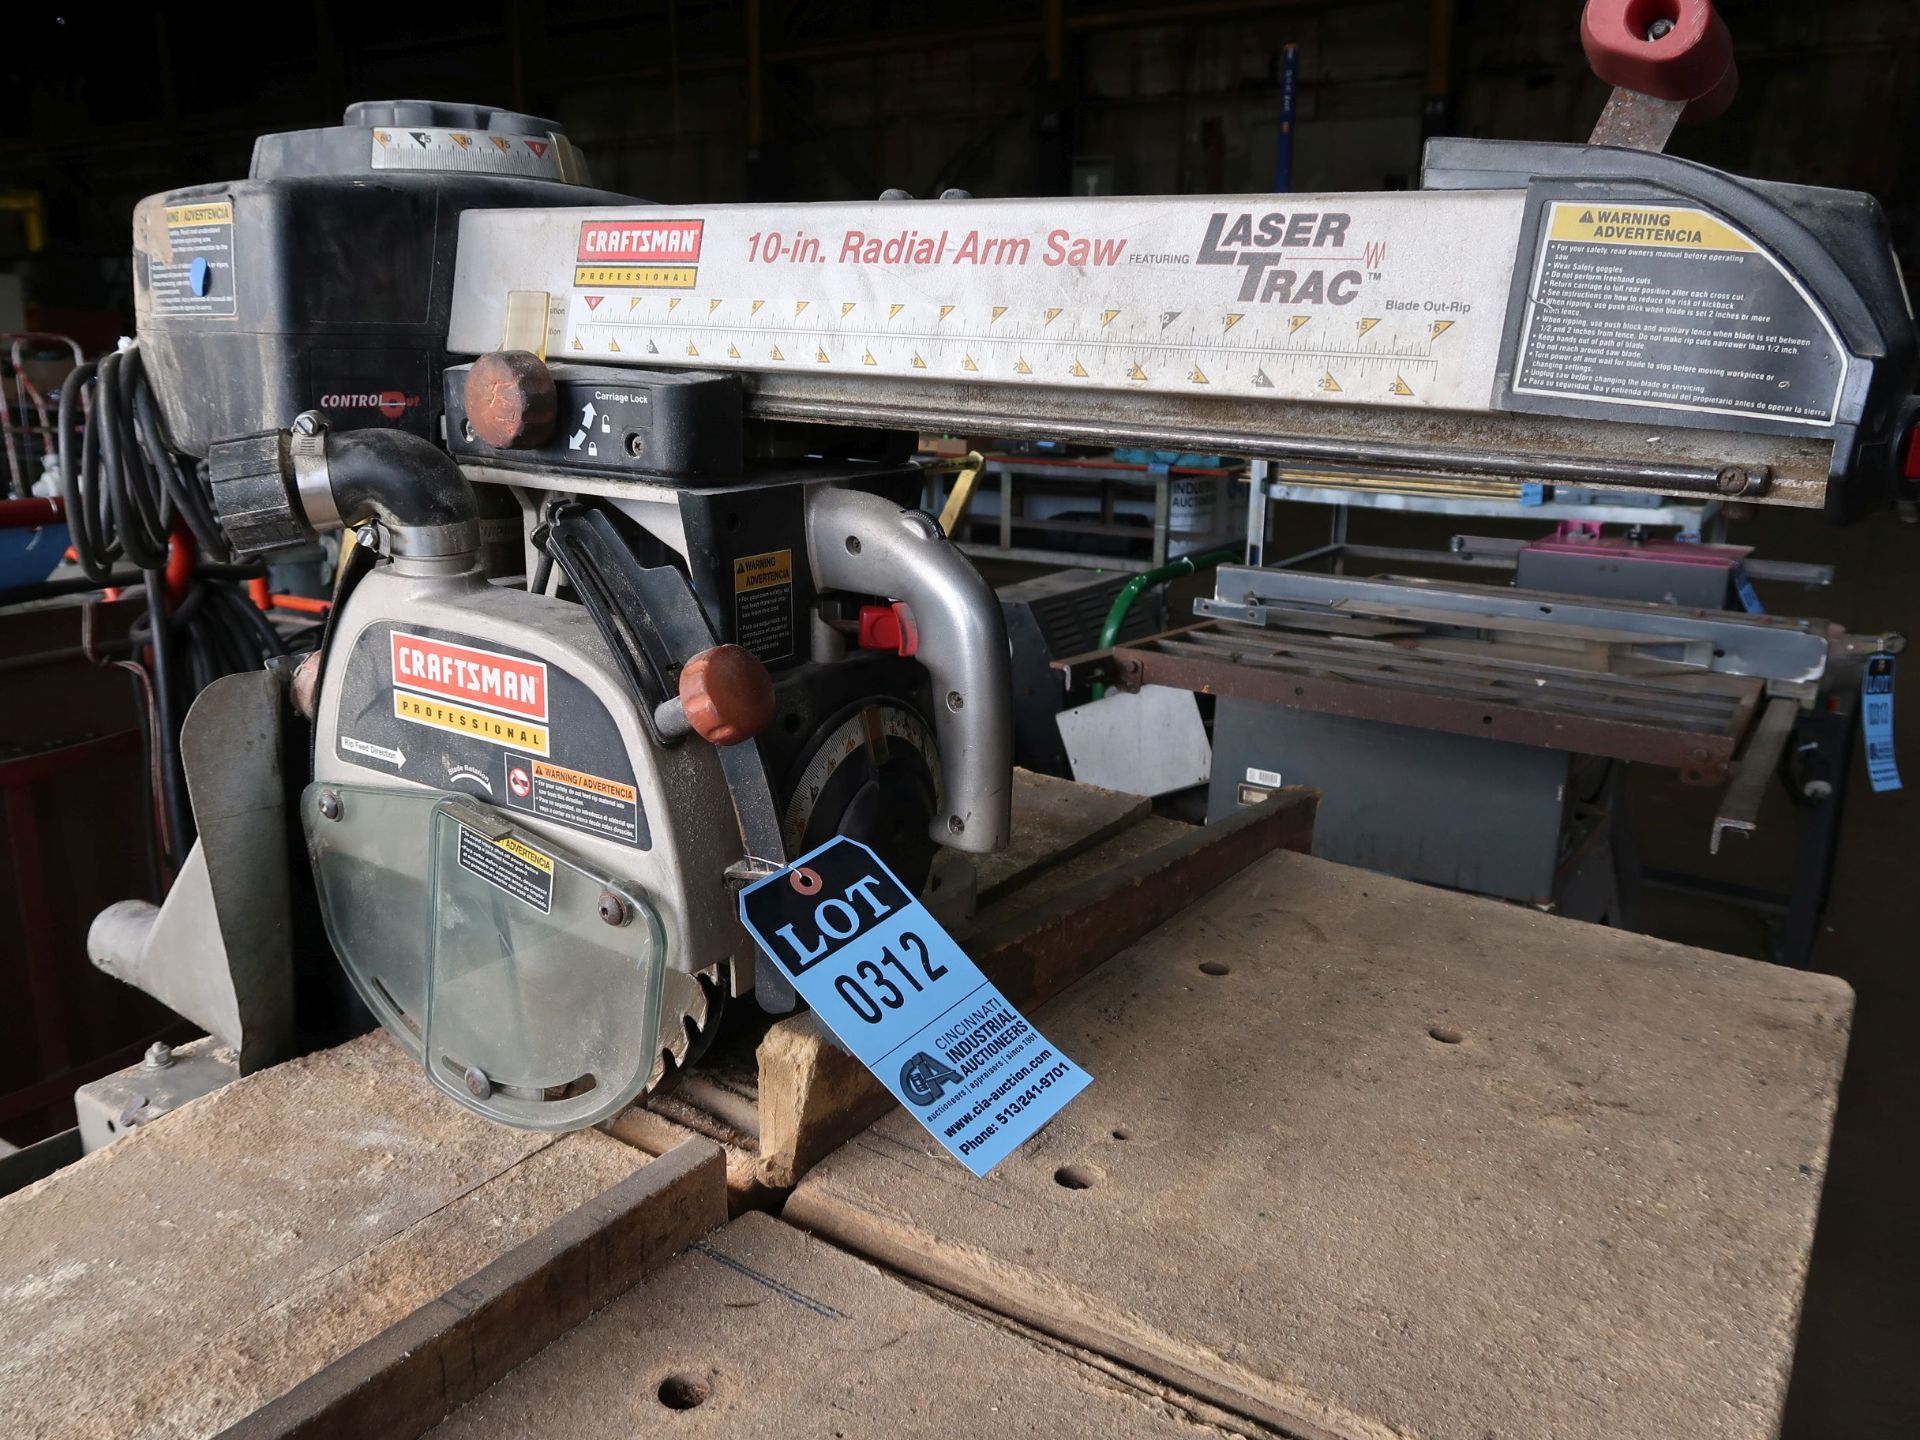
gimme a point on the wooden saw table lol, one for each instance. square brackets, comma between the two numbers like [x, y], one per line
[1361, 1159]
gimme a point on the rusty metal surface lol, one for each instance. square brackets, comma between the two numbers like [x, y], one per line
[1691, 723]
[1636, 121]
[1591, 453]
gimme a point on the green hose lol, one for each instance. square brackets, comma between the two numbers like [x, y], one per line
[1140, 584]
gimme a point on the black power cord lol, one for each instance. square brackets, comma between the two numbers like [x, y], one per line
[126, 490]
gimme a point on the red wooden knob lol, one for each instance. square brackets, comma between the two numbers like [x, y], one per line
[1670, 49]
[511, 402]
[727, 694]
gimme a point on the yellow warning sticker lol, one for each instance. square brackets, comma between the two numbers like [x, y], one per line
[1665, 227]
[494, 729]
[638, 277]
[220, 213]
[760, 572]
[580, 780]
[520, 850]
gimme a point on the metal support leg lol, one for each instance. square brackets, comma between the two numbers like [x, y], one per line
[1825, 741]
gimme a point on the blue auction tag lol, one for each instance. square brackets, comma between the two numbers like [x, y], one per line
[1876, 720]
[897, 991]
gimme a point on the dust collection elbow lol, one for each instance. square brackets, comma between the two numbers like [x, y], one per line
[280, 487]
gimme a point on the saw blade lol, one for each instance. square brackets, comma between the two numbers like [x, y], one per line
[690, 1006]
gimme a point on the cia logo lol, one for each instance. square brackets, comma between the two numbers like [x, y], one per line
[923, 1079]
[519, 781]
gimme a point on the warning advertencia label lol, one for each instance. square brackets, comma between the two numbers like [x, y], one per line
[1669, 306]
[196, 277]
[510, 866]
[592, 803]
[763, 604]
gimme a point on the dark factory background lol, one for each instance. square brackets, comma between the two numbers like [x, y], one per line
[816, 100]
[728, 100]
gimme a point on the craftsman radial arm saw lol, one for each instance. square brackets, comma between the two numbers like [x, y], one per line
[625, 478]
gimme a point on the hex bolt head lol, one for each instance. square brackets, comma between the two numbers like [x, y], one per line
[159, 1056]
[330, 807]
[478, 1085]
[1817, 789]
[613, 910]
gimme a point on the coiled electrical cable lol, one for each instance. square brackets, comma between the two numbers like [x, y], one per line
[134, 501]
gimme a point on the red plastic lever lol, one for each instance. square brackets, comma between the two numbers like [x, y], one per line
[1670, 49]
[889, 627]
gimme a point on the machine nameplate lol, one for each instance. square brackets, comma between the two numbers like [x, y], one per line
[1368, 299]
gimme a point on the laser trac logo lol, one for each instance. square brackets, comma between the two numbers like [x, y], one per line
[1259, 243]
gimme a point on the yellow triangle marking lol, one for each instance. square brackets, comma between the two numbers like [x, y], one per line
[1078, 371]
[966, 363]
[1440, 327]
[776, 353]
[998, 311]
[1296, 322]
[673, 304]
[800, 305]
[1136, 373]
[945, 311]
[1021, 367]
[893, 310]
[756, 307]
[1328, 383]
[713, 305]
[1368, 323]
[866, 358]
[1199, 376]
[1232, 320]
[576, 343]
[733, 352]
[918, 363]
[1106, 318]
[846, 308]
[1053, 315]
[820, 354]
[1400, 386]
[634, 303]
[614, 346]
[692, 349]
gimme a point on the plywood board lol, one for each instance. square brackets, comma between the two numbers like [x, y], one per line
[178, 1279]
[1364, 1159]
[763, 1331]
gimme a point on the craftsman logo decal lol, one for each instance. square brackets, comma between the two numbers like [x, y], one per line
[639, 255]
[638, 242]
[480, 677]
[896, 990]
